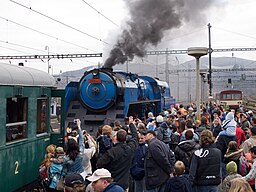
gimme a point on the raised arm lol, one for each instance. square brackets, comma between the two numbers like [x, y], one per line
[81, 137]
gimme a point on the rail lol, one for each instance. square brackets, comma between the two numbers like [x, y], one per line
[250, 103]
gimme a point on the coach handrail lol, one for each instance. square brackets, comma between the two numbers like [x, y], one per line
[17, 123]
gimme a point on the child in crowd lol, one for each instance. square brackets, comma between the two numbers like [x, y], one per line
[231, 168]
[229, 125]
[104, 141]
[180, 182]
[45, 166]
[50, 153]
[59, 156]
[233, 153]
[216, 127]
[55, 170]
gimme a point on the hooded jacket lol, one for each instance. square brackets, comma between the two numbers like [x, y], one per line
[164, 133]
[178, 184]
[229, 124]
[184, 152]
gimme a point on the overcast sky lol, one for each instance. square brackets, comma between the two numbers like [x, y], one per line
[25, 32]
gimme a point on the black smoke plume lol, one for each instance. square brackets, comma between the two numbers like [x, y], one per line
[149, 20]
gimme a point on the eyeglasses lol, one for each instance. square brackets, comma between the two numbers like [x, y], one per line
[94, 182]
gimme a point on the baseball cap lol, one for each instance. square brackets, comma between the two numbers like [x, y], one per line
[99, 174]
[159, 119]
[73, 178]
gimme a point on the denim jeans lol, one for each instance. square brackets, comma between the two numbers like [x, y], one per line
[206, 188]
[160, 188]
[139, 186]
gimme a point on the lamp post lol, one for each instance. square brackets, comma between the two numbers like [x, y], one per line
[178, 63]
[48, 61]
[197, 52]
[203, 86]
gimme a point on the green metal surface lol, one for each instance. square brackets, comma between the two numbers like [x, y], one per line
[20, 159]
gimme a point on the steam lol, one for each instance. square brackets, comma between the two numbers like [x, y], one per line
[149, 21]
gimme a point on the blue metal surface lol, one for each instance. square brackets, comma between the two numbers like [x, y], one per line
[97, 95]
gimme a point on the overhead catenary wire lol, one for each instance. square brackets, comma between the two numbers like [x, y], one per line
[244, 35]
[40, 32]
[100, 13]
[69, 26]
[18, 45]
[12, 49]
[186, 34]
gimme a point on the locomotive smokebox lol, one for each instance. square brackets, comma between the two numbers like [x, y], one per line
[98, 89]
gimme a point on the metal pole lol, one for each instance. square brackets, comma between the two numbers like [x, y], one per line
[202, 87]
[189, 84]
[210, 60]
[157, 65]
[127, 62]
[167, 68]
[178, 78]
[48, 61]
[198, 94]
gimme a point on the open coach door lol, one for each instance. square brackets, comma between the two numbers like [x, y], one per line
[57, 122]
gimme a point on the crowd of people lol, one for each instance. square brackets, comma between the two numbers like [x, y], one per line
[167, 152]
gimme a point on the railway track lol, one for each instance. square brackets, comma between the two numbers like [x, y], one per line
[250, 103]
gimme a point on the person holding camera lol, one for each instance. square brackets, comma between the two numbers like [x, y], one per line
[73, 160]
[118, 159]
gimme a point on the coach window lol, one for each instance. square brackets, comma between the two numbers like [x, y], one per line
[55, 114]
[236, 96]
[16, 118]
[42, 116]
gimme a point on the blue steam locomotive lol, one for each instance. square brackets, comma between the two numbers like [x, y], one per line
[103, 96]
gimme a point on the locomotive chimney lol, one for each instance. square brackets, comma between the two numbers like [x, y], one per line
[109, 69]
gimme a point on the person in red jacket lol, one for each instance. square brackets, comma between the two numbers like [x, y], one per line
[241, 137]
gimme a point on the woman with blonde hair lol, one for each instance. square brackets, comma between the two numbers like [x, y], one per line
[240, 185]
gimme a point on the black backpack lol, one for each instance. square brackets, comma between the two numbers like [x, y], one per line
[175, 139]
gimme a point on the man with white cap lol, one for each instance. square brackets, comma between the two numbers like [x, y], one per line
[103, 182]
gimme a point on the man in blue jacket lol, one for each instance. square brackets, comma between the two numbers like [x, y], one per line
[102, 181]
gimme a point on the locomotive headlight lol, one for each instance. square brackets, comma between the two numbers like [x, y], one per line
[95, 73]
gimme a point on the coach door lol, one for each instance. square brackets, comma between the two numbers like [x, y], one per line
[57, 121]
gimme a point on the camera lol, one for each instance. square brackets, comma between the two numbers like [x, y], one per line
[73, 125]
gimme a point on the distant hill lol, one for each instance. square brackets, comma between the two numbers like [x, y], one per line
[68, 76]
[79, 72]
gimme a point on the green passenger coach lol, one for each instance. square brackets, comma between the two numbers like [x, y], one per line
[29, 122]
